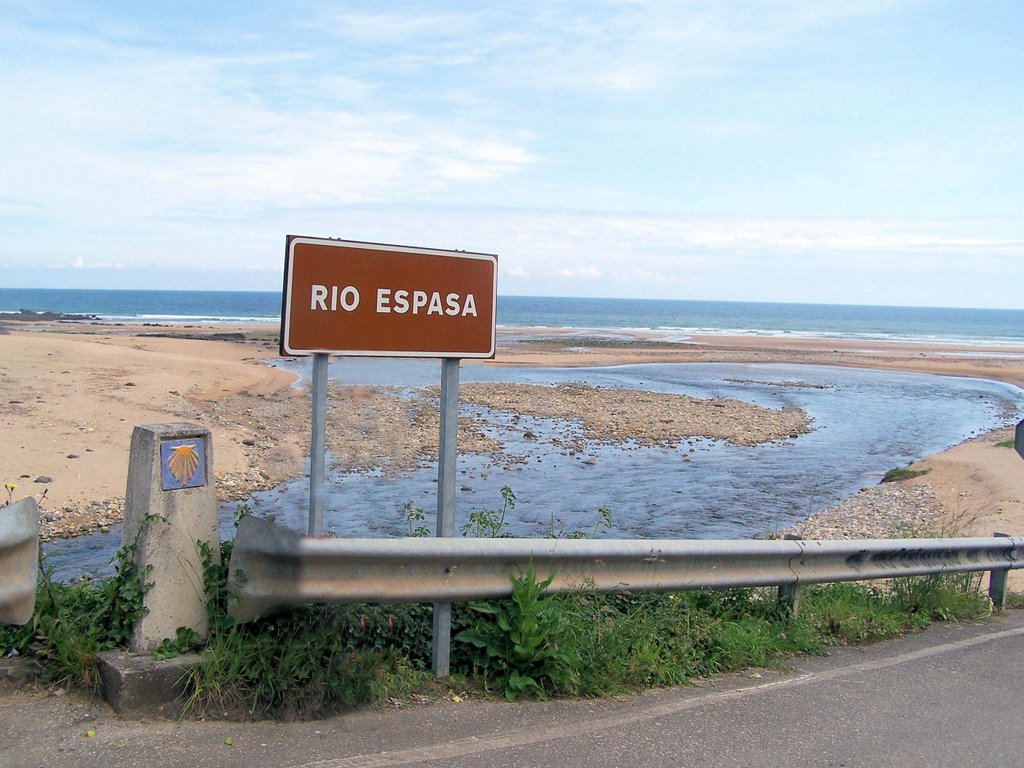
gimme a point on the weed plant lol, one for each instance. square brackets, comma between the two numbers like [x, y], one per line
[516, 643]
[490, 523]
[71, 623]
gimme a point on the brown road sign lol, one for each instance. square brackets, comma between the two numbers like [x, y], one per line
[351, 298]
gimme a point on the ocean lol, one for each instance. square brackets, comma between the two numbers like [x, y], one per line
[670, 319]
[864, 422]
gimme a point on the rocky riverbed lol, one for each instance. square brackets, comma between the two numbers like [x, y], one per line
[613, 415]
[390, 431]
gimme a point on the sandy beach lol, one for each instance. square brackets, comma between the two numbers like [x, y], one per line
[71, 393]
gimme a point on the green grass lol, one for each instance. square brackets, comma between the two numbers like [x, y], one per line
[903, 473]
[1014, 600]
[311, 661]
[1005, 444]
[630, 642]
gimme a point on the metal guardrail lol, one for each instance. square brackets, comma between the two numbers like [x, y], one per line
[272, 567]
[19, 561]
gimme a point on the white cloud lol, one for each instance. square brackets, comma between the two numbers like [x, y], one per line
[128, 137]
[80, 264]
[396, 29]
[589, 272]
[589, 145]
[714, 257]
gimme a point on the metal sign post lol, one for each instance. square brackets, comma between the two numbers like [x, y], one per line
[343, 297]
[446, 455]
[318, 445]
[1018, 439]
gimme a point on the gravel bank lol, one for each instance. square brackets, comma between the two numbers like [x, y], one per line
[879, 512]
[648, 418]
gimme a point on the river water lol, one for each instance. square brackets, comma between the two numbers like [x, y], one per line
[864, 423]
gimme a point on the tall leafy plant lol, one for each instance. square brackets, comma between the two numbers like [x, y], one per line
[516, 644]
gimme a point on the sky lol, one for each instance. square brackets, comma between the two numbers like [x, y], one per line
[824, 152]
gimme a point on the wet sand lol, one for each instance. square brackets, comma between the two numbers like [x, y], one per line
[71, 393]
[980, 362]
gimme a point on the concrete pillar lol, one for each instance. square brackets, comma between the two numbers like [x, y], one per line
[170, 505]
[19, 560]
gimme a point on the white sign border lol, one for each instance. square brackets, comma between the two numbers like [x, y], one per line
[293, 240]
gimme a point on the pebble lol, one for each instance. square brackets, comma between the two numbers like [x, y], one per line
[76, 519]
[889, 510]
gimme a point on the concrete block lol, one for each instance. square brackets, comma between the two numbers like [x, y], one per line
[19, 561]
[170, 506]
[139, 686]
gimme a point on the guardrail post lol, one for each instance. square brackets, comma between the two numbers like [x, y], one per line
[997, 583]
[170, 505]
[789, 599]
[19, 560]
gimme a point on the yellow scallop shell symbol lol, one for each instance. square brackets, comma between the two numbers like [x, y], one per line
[183, 462]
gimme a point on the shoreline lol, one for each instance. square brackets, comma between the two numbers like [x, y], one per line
[72, 391]
[29, 319]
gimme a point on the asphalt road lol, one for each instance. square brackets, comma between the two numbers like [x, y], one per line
[949, 696]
